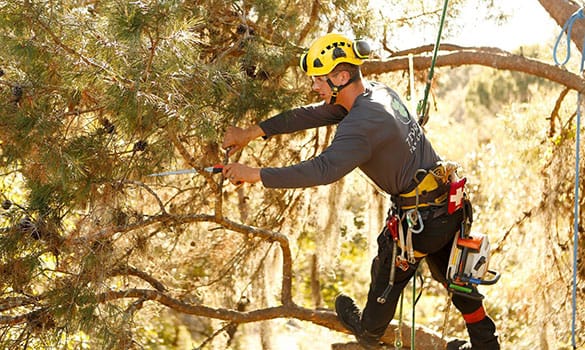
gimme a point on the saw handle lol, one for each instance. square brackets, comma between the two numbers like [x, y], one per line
[488, 282]
[216, 169]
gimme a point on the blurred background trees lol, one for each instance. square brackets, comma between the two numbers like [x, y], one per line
[96, 95]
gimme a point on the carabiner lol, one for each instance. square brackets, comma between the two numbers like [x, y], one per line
[412, 216]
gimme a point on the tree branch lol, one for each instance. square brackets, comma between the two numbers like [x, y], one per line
[149, 190]
[426, 338]
[488, 57]
[313, 18]
[165, 218]
[14, 302]
[555, 112]
[129, 270]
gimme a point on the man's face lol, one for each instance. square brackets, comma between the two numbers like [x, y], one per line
[321, 86]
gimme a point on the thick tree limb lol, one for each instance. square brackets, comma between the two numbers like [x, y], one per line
[488, 57]
[560, 11]
[288, 309]
[425, 338]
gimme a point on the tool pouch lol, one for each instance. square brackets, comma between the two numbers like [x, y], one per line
[456, 195]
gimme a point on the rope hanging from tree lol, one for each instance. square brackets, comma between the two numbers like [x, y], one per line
[423, 108]
[422, 111]
[568, 27]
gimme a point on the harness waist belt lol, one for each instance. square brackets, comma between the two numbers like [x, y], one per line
[431, 192]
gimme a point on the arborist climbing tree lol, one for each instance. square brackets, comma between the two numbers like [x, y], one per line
[377, 134]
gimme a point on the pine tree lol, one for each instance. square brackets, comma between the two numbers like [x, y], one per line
[96, 95]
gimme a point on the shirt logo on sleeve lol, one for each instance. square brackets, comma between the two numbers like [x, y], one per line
[414, 131]
[400, 111]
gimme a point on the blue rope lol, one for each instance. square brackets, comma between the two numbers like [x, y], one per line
[576, 222]
[568, 27]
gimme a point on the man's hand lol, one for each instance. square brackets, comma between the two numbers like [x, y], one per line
[238, 173]
[237, 138]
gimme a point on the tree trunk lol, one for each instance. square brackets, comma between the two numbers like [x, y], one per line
[315, 283]
[560, 11]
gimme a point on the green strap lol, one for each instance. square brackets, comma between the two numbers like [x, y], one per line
[413, 330]
[423, 109]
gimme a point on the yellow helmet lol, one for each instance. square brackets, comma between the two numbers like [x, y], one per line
[330, 50]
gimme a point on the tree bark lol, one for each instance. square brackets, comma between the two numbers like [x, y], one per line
[489, 57]
[425, 338]
[560, 11]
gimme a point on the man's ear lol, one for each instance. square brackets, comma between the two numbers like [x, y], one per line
[345, 76]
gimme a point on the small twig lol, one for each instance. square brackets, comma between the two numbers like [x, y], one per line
[313, 19]
[149, 190]
[129, 270]
[555, 112]
[212, 336]
[525, 215]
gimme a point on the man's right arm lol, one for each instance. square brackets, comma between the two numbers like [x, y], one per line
[303, 118]
[297, 119]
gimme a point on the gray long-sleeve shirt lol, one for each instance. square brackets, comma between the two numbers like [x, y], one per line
[378, 135]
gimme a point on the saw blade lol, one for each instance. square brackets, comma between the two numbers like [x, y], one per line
[175, 172]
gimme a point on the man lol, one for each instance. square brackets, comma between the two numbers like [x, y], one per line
[376, 134]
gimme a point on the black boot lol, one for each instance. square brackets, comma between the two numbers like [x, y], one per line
[350, 317]
[482, 334]
[458, 344]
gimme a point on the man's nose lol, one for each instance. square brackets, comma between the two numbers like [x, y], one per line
[314, 86]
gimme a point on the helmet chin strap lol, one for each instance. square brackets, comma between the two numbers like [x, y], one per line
[335, 89]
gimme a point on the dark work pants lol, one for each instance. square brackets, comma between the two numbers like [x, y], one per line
[436, 240]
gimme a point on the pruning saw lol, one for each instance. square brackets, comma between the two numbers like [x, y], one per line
[215, 169]
[218, 168]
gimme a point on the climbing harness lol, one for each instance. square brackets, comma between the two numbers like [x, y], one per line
[441, 191]
[568, 27]
[423, 107]
[430, 189]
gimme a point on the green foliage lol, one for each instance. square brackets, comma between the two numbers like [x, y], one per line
[95, 96]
